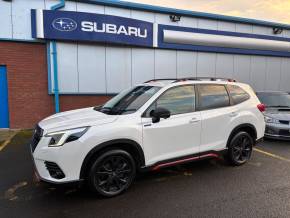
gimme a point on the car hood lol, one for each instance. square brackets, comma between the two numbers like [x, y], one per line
[278, 113]
[74, 119]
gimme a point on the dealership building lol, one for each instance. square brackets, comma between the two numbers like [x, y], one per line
[62, 55]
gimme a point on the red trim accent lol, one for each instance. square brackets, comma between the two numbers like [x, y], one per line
[157, 167]
[209, 155]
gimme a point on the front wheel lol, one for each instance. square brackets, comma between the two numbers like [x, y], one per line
[240, 149]
[112, 173]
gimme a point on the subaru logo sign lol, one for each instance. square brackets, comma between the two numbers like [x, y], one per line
[82, 26]
[64, 24]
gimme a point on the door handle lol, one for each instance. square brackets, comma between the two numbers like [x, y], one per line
[234, 114]
[193, 120]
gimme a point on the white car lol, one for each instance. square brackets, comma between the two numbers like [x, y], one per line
[153, 125]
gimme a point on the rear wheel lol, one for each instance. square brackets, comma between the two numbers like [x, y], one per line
[240, 149]
[112, 173]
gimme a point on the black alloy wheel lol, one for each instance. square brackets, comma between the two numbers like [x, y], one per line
[240, 148]
[112, 173]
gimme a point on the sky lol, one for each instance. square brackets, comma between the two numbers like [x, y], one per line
[271, 10]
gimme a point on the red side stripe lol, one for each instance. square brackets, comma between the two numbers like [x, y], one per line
[184, 160]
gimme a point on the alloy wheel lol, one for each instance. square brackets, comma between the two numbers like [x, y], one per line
[114, 174]
[242, 149]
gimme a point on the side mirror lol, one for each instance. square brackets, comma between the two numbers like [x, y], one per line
[158, 113]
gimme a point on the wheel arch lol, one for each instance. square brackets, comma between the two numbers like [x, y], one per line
[247, 127]
[131, 146]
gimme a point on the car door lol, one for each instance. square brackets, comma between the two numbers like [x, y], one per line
[176, 136]
[216, 116]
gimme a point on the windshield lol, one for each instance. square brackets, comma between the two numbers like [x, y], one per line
[275, 100]
[130, 100]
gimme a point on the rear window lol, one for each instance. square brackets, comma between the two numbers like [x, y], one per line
[212, 96]
[237, 94]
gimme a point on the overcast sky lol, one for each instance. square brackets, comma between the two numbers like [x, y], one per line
[272, 10]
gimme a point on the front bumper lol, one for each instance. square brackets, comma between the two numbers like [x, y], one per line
[57, 164]
[277, 131]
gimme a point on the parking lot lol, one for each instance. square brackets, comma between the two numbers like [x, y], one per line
[209, 188]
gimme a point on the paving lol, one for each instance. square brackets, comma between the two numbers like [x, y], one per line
[209, 188]
[5, 136]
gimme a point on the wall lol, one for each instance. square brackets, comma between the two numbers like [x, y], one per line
[16, 13]
[70, 102]
[104, 69]
[108, 69]
[94, 68]
[28, 98]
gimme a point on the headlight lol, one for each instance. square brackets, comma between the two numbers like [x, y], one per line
[270, 120]
[61, 137]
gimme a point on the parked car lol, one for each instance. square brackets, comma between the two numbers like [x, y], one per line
[277, 114]
[157, 124]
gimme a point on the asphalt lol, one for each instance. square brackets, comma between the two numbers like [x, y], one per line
[210, 188]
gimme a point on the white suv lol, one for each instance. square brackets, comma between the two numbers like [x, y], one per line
[150, 126]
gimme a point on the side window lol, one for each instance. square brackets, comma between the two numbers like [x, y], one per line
[238, 94]
[177, 100]
[213, 96]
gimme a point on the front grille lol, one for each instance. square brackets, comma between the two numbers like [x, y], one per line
[54, 170]
[284, 132]
[284, 122]
[36, 137]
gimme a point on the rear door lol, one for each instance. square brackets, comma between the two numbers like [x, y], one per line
[216, 115]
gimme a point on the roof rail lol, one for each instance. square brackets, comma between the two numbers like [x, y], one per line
[174, 80]
[156, 80]
[205, 78]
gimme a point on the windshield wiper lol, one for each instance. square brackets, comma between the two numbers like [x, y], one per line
[126, 110]
[105, 110]
[109, 110]
[97, 108]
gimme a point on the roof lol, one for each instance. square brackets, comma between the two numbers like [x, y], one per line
[159, 9]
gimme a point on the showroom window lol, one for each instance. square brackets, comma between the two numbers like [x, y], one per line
[213, 96]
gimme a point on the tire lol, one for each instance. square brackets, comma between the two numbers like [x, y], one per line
[112, 173]
[240, 149]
